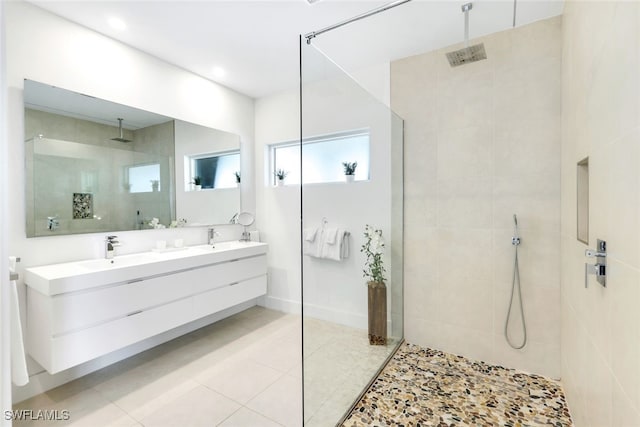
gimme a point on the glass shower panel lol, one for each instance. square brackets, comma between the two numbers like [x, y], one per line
[338, 359]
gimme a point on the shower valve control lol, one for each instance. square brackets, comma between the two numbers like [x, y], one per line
[599, 269]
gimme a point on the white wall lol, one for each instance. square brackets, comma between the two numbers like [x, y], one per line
[5, 357]
[278, 209]
[332, 103]
[601, 120]
[46, 48]
[482, 142]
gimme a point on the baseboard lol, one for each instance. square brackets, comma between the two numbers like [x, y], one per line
[279, 304]
[353, 320]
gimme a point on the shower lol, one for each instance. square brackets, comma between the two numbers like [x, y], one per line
[121, 138]
[515, 241]
[468, 53]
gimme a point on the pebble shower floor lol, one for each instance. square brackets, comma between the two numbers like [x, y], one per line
[424, 387]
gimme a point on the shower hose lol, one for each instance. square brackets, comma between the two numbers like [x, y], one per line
[515, 241]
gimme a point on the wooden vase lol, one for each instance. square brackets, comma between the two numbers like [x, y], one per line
[377, 313]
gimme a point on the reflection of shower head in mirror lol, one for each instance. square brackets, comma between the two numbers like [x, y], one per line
[121, 138]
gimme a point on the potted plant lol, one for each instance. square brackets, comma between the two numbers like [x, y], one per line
[280, 174]
[155, 184]
[373, 249]
[238, 177]
[350, 170]
[197, 183]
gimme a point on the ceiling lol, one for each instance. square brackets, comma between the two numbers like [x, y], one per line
[256, 42]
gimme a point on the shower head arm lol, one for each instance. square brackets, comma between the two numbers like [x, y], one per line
[466, 8]
[120, 126]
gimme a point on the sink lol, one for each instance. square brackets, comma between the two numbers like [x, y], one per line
[119, 261]
[79, 275]
[227, 246]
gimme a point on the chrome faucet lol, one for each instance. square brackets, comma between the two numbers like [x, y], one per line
[110, 244]
[599, 269]
[245, 236]
[211, 234]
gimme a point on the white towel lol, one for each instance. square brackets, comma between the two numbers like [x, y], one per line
[339, 249]
[310, 234]
[311, 244]
[19, 373]
[330, 236]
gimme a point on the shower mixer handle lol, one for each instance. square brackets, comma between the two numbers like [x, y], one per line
[593, 253]
[599, 269]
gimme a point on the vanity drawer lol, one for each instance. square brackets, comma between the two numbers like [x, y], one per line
[77, 310]
[231, 272]
[84, 309]
[81, 346]
[218, 299]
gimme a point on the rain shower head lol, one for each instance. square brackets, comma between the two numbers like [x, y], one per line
[121, 138]
[468, 53]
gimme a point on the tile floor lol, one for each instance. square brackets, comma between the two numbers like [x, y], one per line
[242, 371]
[246, 371]
[427, 387]
[339, 364]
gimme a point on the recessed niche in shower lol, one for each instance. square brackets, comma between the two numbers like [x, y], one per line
[583, 200]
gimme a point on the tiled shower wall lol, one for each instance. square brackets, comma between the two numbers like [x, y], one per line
[482, 142]
[601, 120]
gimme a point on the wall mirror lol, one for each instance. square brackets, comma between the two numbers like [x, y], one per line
[96, 166]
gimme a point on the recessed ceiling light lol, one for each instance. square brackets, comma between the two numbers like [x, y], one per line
[117, 23]
[218, 72]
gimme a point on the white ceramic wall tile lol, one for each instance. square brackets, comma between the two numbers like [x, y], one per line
[623, 410]
[601, 95]
[463, 97]
[625, 328]
[537, 151]
[622, 204]
[464, 203]
[599, 389]
[496, 139]
[468, 342]
[534, 357]
[538, 259]
[465, 152]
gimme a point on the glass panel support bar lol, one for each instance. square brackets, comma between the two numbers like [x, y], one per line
[313, 34]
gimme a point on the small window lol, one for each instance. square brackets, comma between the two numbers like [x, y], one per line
[144, 178]
[322, 158]
[216, 170]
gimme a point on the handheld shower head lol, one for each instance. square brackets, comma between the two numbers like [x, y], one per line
[515, 240]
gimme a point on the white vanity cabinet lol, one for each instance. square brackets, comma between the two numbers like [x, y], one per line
[67, 328]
